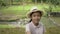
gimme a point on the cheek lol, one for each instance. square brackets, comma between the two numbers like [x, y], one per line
[33, 18]
[39, 18]
[36, 18]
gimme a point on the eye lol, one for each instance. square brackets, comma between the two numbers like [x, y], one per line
[38, 15]
[34, 15]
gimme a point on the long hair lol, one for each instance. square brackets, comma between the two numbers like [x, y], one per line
[30, 20]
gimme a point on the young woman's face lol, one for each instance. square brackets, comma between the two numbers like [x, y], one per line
[36, 17]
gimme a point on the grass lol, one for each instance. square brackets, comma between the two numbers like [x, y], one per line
[4, 26]
[56, 19]
[12, 31]
[20, 12]
[50, 28]
[47, 22]
[11, 26]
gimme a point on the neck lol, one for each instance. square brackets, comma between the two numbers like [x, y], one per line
[36, 24]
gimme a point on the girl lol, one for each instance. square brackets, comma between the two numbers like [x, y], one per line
[34, 26]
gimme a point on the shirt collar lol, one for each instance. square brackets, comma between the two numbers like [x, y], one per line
[36, 26]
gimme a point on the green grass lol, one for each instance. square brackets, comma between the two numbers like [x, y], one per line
[47, 22]
[56, 19]
[17, 10]
[12, 31]
[6, 26]
[50, 28]
[20, 12]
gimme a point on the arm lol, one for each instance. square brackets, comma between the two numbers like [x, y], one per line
[28, 32]
[27, 29]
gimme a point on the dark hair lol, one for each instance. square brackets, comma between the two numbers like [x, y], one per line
[35, 12]
[30, 20]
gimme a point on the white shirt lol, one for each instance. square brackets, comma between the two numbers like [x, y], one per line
[35, 29]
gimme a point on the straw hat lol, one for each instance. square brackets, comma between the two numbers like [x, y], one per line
[33, 9]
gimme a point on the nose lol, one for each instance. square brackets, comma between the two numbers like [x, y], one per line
[37, 17]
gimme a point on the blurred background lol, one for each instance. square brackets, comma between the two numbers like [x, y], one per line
[13, 15]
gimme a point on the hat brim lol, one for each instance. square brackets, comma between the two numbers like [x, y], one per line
[28, 14]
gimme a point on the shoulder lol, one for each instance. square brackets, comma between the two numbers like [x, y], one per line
[27, 24]
[27, 27]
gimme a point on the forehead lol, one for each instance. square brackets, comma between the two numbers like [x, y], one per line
[36, 13]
